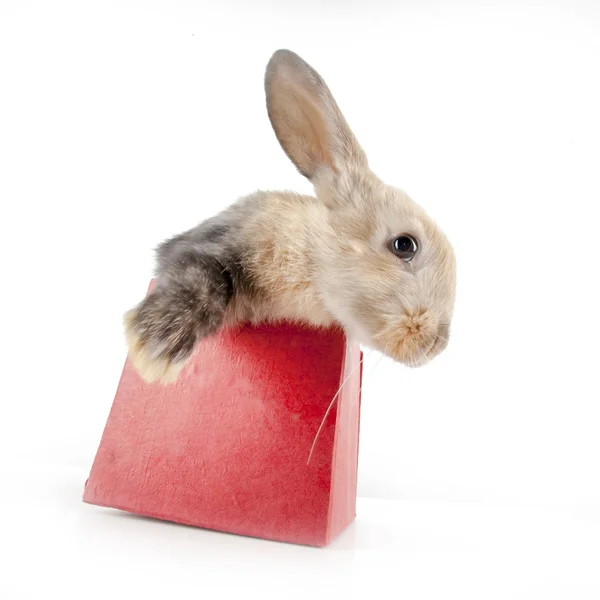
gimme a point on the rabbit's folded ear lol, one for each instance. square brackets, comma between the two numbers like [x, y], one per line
[307, 121]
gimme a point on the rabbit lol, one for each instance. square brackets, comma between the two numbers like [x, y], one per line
[359, 255]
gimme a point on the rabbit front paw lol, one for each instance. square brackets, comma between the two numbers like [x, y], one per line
[161, 333]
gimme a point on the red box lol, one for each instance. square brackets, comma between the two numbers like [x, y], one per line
[226, 446]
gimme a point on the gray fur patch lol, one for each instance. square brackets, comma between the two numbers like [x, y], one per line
[188, 303]
[197, 272]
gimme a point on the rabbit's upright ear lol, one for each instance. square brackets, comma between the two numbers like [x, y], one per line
[307, 121]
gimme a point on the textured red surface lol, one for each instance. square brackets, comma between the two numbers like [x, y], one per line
[226, 446]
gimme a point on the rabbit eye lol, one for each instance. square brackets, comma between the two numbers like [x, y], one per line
[404, 247]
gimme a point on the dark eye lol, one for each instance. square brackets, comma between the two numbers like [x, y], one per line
[404, 247]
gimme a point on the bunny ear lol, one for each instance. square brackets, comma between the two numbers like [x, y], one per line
[307, 121]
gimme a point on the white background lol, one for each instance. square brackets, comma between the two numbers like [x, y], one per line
[122, 123]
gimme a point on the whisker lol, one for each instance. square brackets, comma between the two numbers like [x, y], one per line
[383, 355]
[332, 403]
[376, 365]
[362, 383]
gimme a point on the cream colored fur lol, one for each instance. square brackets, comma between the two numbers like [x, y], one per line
[325, 260]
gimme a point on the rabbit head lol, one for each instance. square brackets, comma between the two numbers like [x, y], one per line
[384, 269]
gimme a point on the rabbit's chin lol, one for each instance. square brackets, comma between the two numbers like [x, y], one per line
[412, 339]
[403, 341]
